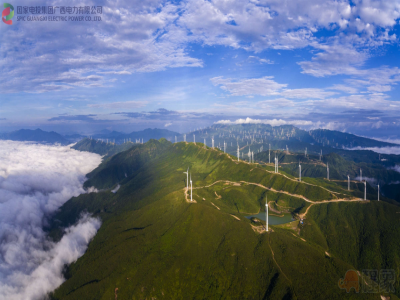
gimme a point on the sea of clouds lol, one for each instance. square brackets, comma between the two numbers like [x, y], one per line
[381, 150]
[35, 180]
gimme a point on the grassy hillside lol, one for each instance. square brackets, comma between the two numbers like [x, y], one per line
[364, 235]
[339, 167]
[153, 244]
[100, 147]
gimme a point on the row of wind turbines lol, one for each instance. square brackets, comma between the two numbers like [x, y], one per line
[251, 159]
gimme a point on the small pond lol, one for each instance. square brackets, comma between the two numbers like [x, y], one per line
[273, 219]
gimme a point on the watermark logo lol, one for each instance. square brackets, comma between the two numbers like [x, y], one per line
[369, 281]
[7, 13]
[350, 281]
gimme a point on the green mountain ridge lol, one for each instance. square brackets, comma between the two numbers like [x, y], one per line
[154, 244]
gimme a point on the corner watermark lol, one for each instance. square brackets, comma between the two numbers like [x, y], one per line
[369, 281]
[52, 13]
[7, 14]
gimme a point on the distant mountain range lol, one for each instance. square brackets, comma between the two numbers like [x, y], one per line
[37, 135]
[145, 135]
[244, 134]
[52, 137]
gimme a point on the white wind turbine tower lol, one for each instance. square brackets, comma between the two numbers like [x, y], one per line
[348, 182]
[269, 154]
[224, 147]
[306, 152]
[365, 190]
[252, 156]
[266, 211]
[191, 188]
[176, 139]
[360, 175]
[212, 141]
[205, 146]
[238, 153]
[194, 139]
[378, 192]
[275, 163]
[184, 137]
[299, 172]
[187, 179]
[327, 171]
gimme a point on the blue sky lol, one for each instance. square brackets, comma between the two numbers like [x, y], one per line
[181, 65]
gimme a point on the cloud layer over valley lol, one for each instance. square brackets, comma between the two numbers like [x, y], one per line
[35, 180]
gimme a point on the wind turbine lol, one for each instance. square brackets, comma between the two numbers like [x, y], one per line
[299, 172]
[360, 175]
[348, 182]
[266, 211]
[184, 137]
[194, 139]
[306, 152]
[176, 139]
[365, 190]
[378, 192]
[238, 153]
[269, 154]
[327, 171]
[205, 144]
[191, 188]
[187, 179]
[277, 165]
[212, 141]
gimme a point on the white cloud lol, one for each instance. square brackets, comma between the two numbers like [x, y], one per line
[168, 124]
[35, 180]
[145, 40]
[307, 93]
[368, 179]
[261, 60]
[397, 169]
[119, 105]
[155, 35]
[344, 88]
[273, 122]
[264, 86]
[267, 86]
[382, 150]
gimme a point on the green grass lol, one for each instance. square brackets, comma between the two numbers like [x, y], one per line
[154, 245]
